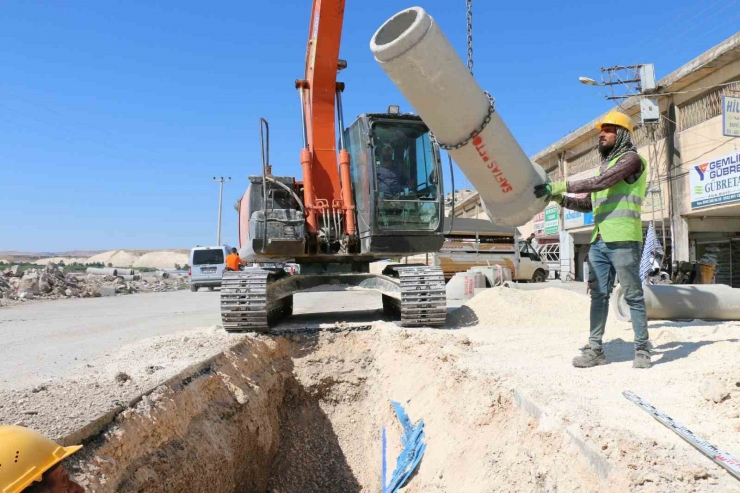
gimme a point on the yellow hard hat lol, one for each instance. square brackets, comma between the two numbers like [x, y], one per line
[25, 455]
[615, 117]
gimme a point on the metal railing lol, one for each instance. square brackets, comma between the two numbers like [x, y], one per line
[704, 107]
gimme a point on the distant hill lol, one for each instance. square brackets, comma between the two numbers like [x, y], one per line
[158, 259]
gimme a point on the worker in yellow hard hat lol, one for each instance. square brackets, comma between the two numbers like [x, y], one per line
[30, 462]
[615, 197]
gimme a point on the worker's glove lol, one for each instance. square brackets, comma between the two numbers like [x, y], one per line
[557, 198]
[548, 190]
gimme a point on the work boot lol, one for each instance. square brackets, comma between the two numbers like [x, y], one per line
[642, 359]
[589, 358]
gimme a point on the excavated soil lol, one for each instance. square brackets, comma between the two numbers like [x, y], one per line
[503, 409]
[305, 414]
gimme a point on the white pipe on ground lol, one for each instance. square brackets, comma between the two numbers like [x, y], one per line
[130, 277]
[102, 271]
[417, 57]
[683, 301]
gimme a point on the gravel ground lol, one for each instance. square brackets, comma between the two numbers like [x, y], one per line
[59, 406]
[529, 337]
[521, 341]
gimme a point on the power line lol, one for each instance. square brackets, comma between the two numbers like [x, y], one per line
[677, 20]
[709, 32]
[124, 147]
[697, 24]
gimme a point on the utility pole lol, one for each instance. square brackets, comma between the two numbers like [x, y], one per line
[220, 203]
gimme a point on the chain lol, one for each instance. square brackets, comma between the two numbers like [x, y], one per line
[475, 132]
[491, 101]
[470, 35]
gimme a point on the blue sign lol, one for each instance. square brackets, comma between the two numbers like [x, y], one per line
[574, 219]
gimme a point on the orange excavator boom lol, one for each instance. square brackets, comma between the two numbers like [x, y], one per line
[327, 187]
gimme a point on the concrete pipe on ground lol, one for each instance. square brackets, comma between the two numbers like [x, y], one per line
[682, 302]
[417, 57]
[102, 271]
[130, 277]
[526, 286]
[124, 271]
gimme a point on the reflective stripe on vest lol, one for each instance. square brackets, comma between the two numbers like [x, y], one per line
[617, 197]
[598, 218]
[617, 210]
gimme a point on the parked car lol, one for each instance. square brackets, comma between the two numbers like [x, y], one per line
[207, 265]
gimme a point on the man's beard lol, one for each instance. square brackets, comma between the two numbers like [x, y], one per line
[605, 149]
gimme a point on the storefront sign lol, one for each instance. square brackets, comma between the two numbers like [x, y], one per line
[552, 224]
[730, 116]
[716, 181]
[573, 219]
[539, 224]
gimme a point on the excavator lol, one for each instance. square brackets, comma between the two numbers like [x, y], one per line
[370, 191]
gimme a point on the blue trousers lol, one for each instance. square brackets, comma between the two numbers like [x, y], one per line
[605, 260]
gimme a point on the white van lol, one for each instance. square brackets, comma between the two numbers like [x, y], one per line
[207, 265]
[478, 242]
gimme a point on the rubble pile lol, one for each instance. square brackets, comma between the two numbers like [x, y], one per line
[51, 282]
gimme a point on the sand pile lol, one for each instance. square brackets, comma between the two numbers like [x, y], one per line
[162, 260]
[118, 258]
[512, 307]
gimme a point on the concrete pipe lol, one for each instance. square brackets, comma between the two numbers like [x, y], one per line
[524, 286]
[130, 277]
[104, 271]
[683, 301]
[124, 271]
[417, 57]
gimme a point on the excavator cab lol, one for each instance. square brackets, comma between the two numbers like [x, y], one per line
[398, 193]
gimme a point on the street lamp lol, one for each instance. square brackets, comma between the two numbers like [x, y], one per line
[588, 81]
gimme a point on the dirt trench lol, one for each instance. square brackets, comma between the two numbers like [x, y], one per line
[304, 413]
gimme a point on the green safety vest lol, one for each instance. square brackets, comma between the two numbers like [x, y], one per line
[617, 210]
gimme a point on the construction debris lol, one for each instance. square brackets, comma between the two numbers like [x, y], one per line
[51, 282]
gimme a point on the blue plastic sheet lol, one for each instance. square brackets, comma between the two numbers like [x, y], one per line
[413, 450]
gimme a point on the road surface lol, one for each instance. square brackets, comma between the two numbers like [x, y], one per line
[49, 339]
[44, 339]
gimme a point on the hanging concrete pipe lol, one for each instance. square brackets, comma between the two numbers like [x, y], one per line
[683, 301]
[417, 57]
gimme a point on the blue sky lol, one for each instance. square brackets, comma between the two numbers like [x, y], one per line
[115, 116]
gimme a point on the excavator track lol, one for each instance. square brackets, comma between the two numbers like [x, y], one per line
[245, 303]
[423, 298]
